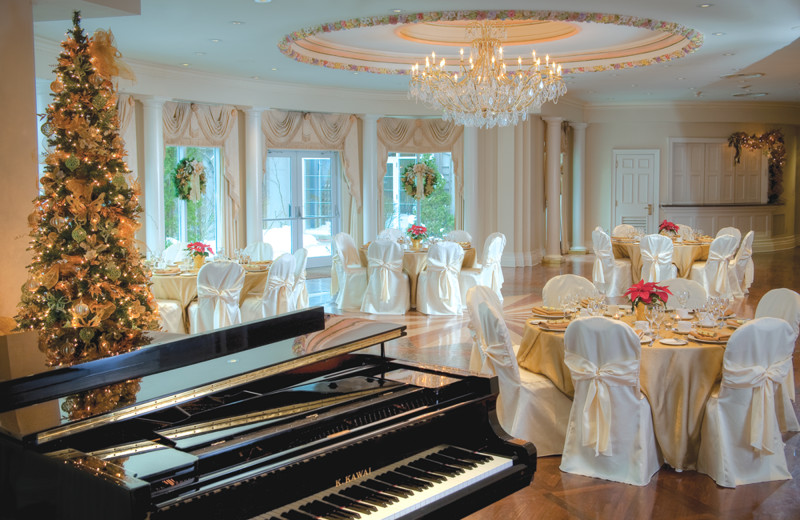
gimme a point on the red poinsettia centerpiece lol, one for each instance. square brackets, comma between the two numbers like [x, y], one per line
[648, 293]
[417, 232]
[668, 228]
[199, 249]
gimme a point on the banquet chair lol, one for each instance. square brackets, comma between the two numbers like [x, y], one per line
[175, 253]
[170, 316]
[697, 293]
[731, 231]
[529, 406]
[740, 438]
[219, 285]
[458, 235]
[740, 271]
[713, 273]
[488, 272]
[299, 289]
[352, 277]
[566, 285]
[623, 230]
[657, 263]
[438, 290]
[258, 251]
[685, 232]
[388, 290]
[785, 304]
[610, 433]
[391, 234]
[277, 296]
[613, 274]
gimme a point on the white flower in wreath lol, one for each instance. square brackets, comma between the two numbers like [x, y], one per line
[190, 179]
[412, 174]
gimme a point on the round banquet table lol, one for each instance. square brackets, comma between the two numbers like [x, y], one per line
[683, 256]
[677, 381]
[414, 261]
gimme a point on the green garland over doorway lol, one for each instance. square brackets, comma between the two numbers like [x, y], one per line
[773, 146]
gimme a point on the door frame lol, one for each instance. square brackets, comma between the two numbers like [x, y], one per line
[656, 153]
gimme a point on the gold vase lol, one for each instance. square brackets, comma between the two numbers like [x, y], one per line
[415, 243]
[640, 316]
[198, 260]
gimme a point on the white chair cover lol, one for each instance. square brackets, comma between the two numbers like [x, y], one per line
[458, 235]
[388, 289]
[731, 231]
[741, 267]
[713, 273]
[488, 272]
[175, 253]
[785, 304]
[610, 433]
[685, 232]
[697, 293]
[529, 406]
[337, 271]
[613, 274]
[565, 284]
[438, 291]
[170, 316]
[657, 263]
[352, 279]
[277, 297]
[299, 290]
[740, 439]
[219, 285]
[623, 230]
[258, 251]
[390, 234]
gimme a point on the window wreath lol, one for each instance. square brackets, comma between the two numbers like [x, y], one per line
[190, 179]
[412, 173]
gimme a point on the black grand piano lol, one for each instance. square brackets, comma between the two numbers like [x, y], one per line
[287, 418]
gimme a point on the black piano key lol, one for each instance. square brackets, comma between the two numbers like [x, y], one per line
[458, 453]
[319, 508]
[368, 495]
[349, 503]
[422, 475]
[389, 489]
[450, 461]
[296, 515]
[401, 480]
[435, 467]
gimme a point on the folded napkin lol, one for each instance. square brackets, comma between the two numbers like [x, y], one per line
[548, 311]
[555, 324]
[711, 335]
[733, 322]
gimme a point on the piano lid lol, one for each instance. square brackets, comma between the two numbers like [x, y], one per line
[214, 369]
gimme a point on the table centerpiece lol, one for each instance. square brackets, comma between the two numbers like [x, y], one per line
[667, 228]
[417, 234]
[646, 294]
[199, 252]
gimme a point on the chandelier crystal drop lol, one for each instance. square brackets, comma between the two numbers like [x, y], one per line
[484, 93]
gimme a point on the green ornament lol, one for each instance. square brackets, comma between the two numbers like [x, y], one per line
[119, 181]
[72, 162]
[86, 334]
[99, 101]
[113, 272]
[47, 129]
[79, 234]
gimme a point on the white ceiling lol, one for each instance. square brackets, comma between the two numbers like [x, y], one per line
[759, 36]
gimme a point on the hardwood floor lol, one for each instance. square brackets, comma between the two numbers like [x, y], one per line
[557, 495]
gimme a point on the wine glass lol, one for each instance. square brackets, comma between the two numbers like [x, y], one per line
[683, 298]
[658, 320]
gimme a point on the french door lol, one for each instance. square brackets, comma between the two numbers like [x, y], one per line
[301, 203]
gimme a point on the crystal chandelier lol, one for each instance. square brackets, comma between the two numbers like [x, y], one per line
[484, 93]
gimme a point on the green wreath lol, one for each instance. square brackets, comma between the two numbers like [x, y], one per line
[409, 179]
[185, 172]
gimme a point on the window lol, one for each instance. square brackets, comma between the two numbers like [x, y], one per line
[301, 194]
[400, 210]
[189, 221]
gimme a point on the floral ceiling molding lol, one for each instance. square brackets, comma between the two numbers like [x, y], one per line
[378, 44]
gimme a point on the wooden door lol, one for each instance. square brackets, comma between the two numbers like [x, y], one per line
[636, 188]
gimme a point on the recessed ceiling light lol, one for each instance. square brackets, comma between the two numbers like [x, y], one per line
[729, 54]
[235, 22]
[254, 77]
[750, 94]
[703, 6]
[274, 68]
[215, 40]
[743, 75]
[397, 11]
[199, 53]
[355, 74]
[692, 88]
[185, 64]
[681, 79]
[718, 34]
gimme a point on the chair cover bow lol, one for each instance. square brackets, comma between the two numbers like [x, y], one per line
[383, 269]
[654, 260]
[597, 409]
[223, 299]
[282, 288]
[443, 272]
[721, 285]
[493, 265]
[762, 425]
[336, 266]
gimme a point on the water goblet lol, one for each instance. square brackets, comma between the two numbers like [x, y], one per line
[683, 298]
[658, 320]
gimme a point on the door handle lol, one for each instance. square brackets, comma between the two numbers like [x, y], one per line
[649, 209]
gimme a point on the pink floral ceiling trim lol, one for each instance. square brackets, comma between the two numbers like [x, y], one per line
[693, 38]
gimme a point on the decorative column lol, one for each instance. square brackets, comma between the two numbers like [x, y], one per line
[470, 208]
[552, 253]
[253, 192]
[371, 197]
[155, 234]
[578, 153]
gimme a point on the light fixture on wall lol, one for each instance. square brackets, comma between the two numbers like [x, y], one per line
[484, 93]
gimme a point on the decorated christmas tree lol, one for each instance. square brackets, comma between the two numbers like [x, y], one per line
[88, 292]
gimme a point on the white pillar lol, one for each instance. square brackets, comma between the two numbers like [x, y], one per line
[369, 192]
[471, 206]
[552, 253]
[578, 154]
[155, 234]
[253, 183]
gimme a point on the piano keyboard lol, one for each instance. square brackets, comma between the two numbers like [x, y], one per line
[396, 490]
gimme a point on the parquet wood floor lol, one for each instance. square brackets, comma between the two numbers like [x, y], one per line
[555, 495]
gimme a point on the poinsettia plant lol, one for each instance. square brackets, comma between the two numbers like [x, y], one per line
[199, 249]
[417, 232]
[667, 226]
[649, 293]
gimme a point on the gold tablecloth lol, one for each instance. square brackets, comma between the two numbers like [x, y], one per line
[683, 256]
[677, 381]
[184, 288]
[414, 262]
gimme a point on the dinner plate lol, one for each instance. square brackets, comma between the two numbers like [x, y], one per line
[673, 341]
[710, 341]
[676, 331]
[549, 316]
[188, 274]
[545, 328]
[645, 339]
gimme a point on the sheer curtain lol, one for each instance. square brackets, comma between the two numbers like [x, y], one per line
[191, 124]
